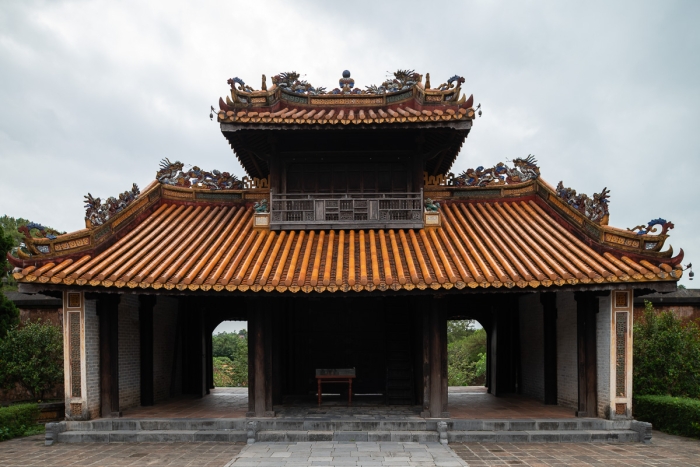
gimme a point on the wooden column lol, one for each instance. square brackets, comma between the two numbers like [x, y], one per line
[586, 309]
[504, 346]
[260, 356]
[146, 304]
[194, 354]
[108, 311]
[435, 360]
[549, 307]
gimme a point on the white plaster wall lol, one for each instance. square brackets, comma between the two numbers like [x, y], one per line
[567, 359]
[129, 352]
[164, 334]
[92, 358]
[603, 323]
[532, 346]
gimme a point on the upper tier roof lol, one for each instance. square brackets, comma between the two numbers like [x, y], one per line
[403, 102]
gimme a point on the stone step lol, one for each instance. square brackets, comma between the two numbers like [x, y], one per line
[353, 436]
[344, 425]
[573, 424]
[543, 436]
[158, 424]
[151, 436]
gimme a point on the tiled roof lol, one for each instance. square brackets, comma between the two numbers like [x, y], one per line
[480, 244]
[335, 116]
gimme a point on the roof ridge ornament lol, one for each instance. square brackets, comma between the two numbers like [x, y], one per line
[651, 229]
[171, 173]
[97, 213]
[595, 209]
[523, 170]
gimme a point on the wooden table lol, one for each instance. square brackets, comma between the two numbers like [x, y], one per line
[335, 376]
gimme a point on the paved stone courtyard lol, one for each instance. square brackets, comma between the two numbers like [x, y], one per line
[665, 450]
[346, 454]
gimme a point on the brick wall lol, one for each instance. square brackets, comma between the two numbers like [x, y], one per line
[532, 346]
[164, 346]
[684, 312]
[603, 323]
[567, 371]
[129, 352]
[92, 358]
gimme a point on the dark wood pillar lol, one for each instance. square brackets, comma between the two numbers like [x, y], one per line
[586, 309]
[434, 360]
[146, 304]
[108, 312]
[549, 307]
[194, 350]
[504, 347]
[278, 342]
[260, 337]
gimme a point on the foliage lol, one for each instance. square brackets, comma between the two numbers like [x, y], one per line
[33, 357]
[674, 415]
[466, 357]
[666, 355]
[10, 226]
[230, 352]
[9, 314]
[18, 420]
[459, 329]
[229, 374]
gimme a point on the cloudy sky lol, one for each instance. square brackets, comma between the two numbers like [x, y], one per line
[606, 94]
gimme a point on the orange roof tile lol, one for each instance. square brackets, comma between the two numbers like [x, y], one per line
[479, 244]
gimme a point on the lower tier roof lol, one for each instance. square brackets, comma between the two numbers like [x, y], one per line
[214, 246]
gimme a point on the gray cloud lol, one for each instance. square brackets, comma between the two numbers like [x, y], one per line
[94, 94]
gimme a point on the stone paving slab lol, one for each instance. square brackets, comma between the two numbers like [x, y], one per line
[350, 454]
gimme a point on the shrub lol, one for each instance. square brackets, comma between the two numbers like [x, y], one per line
[674, 415]
[229, 374]
[666, 355]
[33, 357]
[18, 420]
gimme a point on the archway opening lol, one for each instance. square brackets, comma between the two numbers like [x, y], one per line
[466, 353]
[230, 354]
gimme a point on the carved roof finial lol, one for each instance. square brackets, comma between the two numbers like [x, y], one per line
[427, 81]
[346, 82]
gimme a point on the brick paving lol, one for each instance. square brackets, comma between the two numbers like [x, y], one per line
[665, 450]
[30, 452]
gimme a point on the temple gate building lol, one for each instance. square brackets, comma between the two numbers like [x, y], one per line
[349, 244]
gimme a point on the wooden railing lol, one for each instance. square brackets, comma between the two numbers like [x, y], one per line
[346, 210]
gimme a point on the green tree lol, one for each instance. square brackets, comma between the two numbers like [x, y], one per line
[466, 359]
[459, 329]
[33, 357]
[666, 355]
[10, 226]
[9, 314]
[230, 352]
